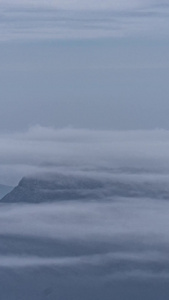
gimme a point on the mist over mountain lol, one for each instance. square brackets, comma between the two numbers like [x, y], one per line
[89, 216]
[59, 186]
[84, 150]
[46, 150]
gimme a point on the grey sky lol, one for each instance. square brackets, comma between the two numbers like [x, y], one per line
[99, 65]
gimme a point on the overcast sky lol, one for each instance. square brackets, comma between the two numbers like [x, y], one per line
[87, 64]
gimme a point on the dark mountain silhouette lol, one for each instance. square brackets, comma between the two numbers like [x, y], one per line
[59, 187]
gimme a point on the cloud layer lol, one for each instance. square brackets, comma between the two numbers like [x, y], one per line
[82, 19]
[122, 237]
[50, 249]
[136, 155]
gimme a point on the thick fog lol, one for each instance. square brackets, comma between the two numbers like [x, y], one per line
[109, 244]
[85, 249]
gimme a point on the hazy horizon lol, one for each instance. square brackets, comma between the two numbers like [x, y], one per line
[87, 65]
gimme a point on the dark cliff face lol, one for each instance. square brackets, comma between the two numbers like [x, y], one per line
[55, 188]
[61, 187]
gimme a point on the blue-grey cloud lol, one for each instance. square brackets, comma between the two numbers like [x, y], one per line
[122, 237]
[112, 153]
[50, 248]
[76, 20]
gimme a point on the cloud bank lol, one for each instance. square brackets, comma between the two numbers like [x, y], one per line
[28, 20]
[86, 245]
[123, 238]
[138, 155]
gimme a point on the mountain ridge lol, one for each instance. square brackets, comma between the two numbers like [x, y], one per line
[60, 187]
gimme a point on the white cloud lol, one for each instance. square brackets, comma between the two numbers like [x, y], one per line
[93, 260]
[43, 149]
[129, 233]
[142, 220]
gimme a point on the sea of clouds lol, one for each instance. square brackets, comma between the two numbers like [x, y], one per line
[85, 249]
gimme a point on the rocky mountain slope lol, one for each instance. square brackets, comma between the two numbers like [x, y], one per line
[58, 187]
